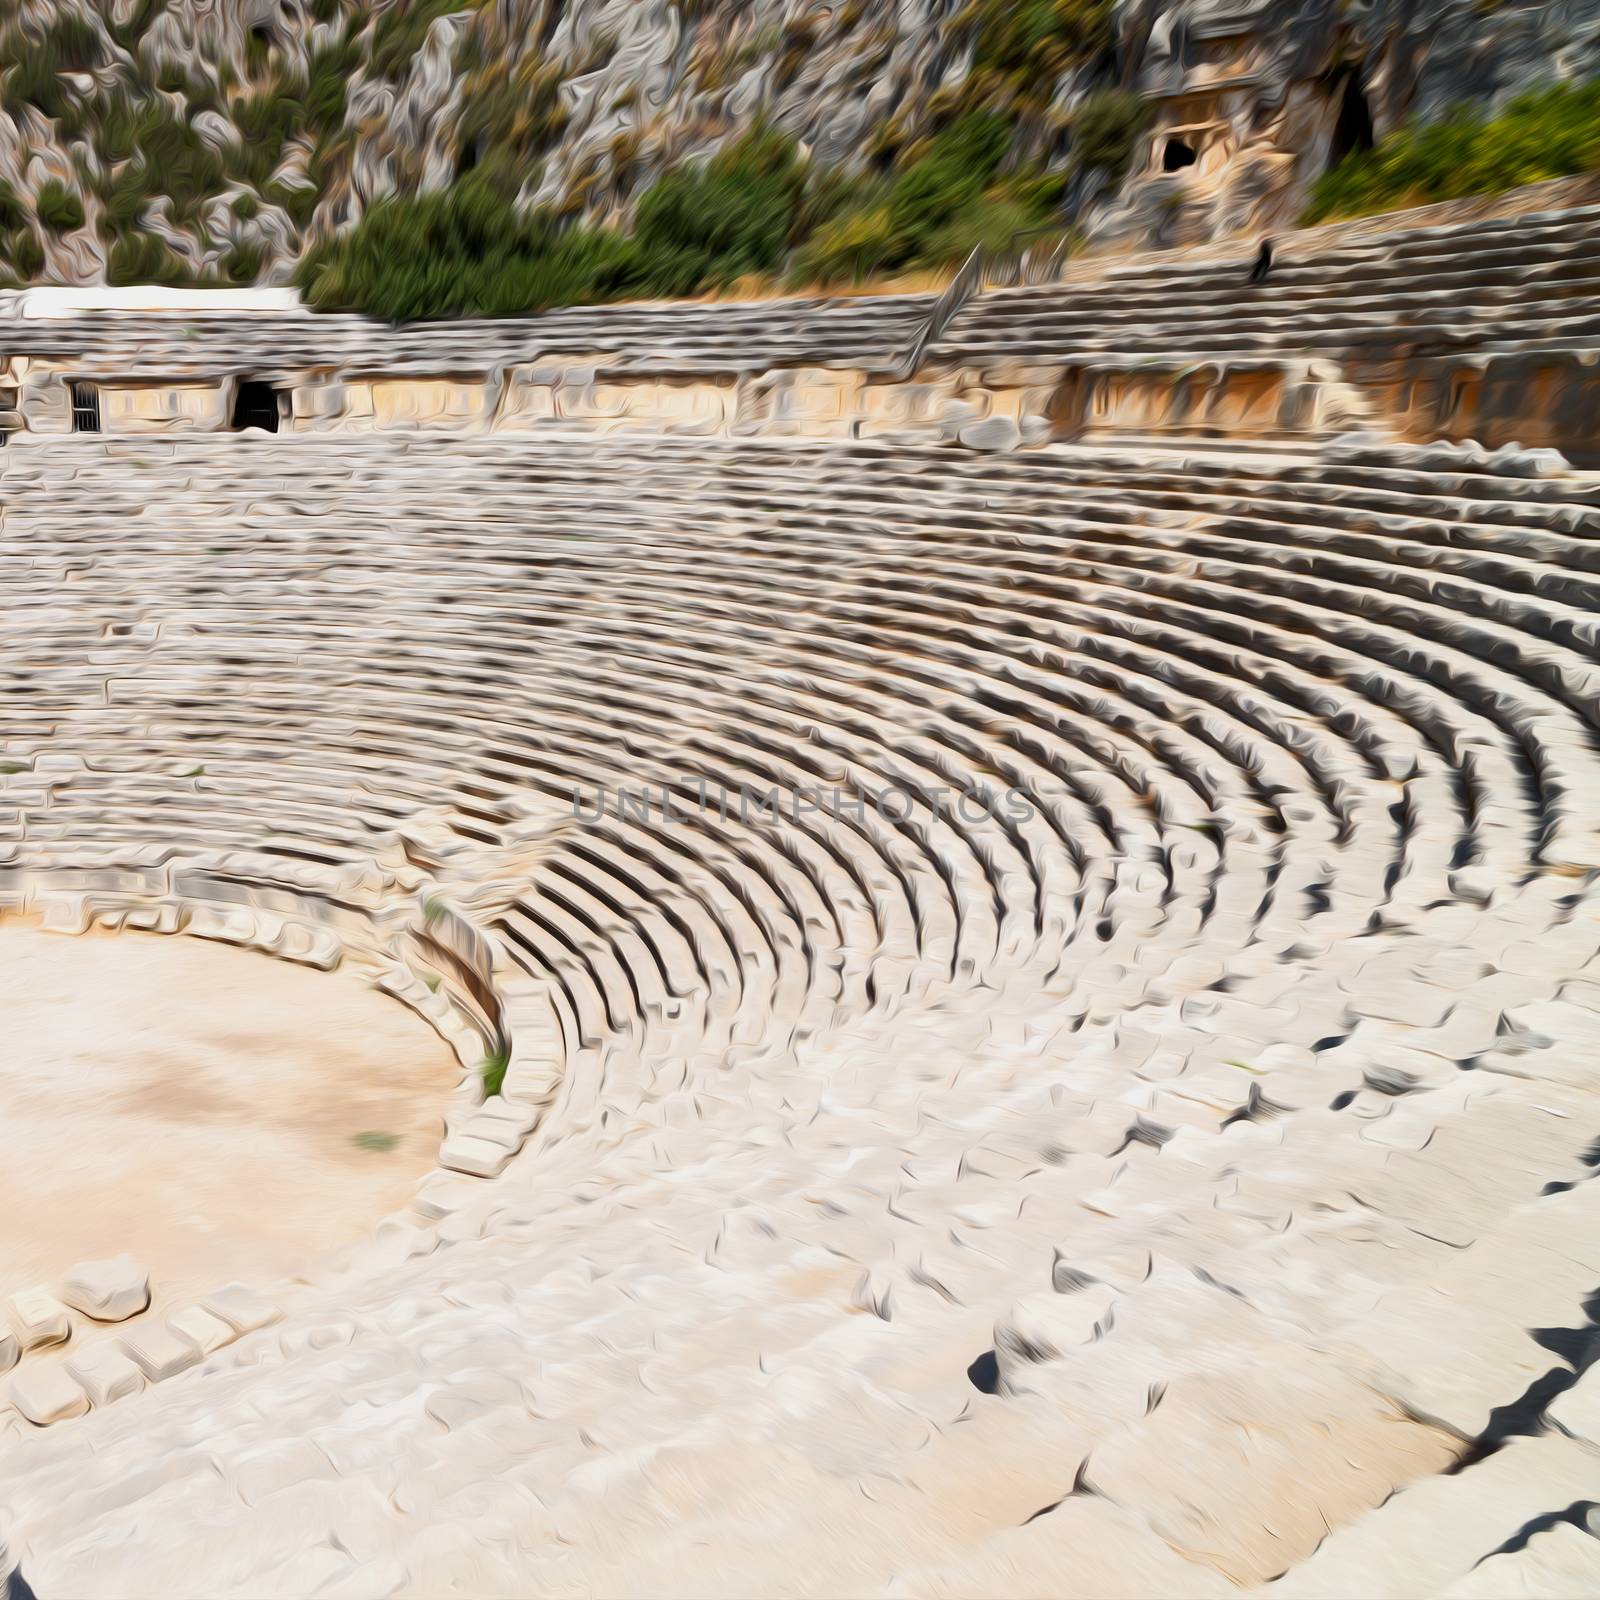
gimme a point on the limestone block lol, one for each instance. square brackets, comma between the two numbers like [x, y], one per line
[163, 408]
[1556, 1564]
[991, 433]
[201, 1328]
[158, 1351]
[46, 403]
[1578, 1410]
[442, 1194]
[427, 402]
[104, 1372]
[45, 1392]
[465, 1153]
[111, 1290]
[1436, 1530]
[242, 1309]
[39, 1319]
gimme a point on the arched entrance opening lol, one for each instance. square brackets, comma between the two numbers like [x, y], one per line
[1176, 155]
[256, 406]
[1352, 128]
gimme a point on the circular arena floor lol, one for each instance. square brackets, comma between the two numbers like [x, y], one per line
[210, 1111]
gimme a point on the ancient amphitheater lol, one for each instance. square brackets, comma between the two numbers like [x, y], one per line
[1024, 867]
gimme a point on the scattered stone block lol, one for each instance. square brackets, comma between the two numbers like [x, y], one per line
[242, 1309]
[109, 1291]
[104, 1372]
[991, 433]
[39, 1319]
[482, 1158]
[45, 1392]
[205, 1331]
[158, 1351]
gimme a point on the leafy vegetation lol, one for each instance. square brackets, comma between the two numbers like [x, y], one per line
[1548, 133]
[492, 1072]
[402, 28]
[60, 210]
[168, 192]
[1105, 129]
[934, 209]
[1023, 48]
[754, 209]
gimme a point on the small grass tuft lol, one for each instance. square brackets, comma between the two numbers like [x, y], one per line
[492, 1070]
[378, 1142]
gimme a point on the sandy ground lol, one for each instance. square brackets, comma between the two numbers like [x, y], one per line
[215, 1113]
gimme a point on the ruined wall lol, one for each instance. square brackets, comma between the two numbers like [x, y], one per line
[164, 408]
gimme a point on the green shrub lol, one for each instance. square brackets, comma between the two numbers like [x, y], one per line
[143, 258]
[12, 212]
[60, 210]
[265, 121]
[711, 223]
[1105, 130]
[941, 204]
[27, 256]
[465, 251]
[1023, 48]
[71, 43]
[129, 33]
[402, 27]
[163, 155]
[246, 207]
[327, 78]
[1040, 37]
[242, 264]
[1547, 133]
[492, 1072]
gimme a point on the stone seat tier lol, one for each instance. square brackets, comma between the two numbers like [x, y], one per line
[1157, 1130]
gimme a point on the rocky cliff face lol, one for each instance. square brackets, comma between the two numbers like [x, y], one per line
[169, 139]
[1250, 101]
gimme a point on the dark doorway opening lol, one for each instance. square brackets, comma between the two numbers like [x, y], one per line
[1177, 155]
[1353, 129]
[85, 408]
[256, 406]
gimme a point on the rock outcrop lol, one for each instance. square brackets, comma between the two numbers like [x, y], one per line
[221, 138]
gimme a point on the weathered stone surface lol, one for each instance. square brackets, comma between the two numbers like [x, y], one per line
[104, 1372]
[111, 1290]
[241, 1308]
[1577, 1411]
[1028, 1202]
[45, 1392]
[157, 1350]
[205, 1331]
[38, 1319]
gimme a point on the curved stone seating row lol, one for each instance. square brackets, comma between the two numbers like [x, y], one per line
[865, 333]
[1524, 282]
[1176, 1131]
[1490, 720]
